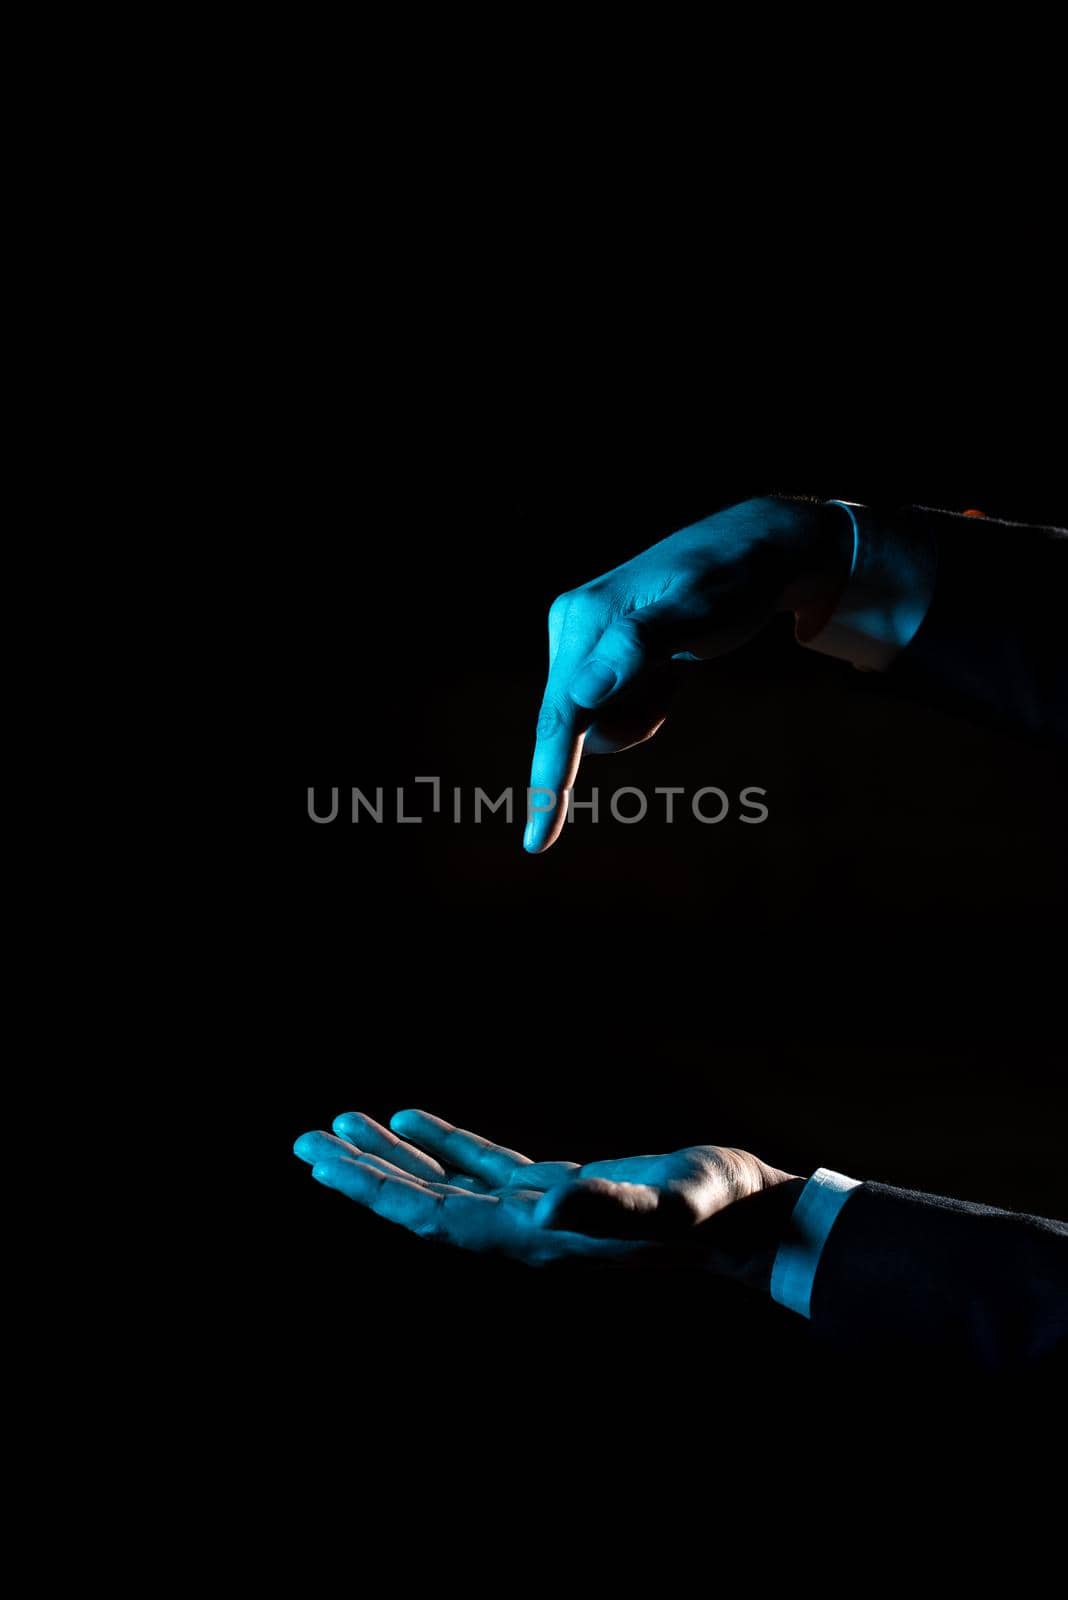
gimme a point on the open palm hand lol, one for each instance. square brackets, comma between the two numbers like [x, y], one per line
[444, 1183]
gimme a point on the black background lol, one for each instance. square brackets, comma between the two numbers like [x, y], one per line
[452, 343]
[870, 980]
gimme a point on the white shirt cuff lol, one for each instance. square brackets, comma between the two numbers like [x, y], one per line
[887, 594]
[794, 1268]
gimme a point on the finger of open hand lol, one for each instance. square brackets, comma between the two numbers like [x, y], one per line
[417, 1206]
[456, 1147]
[320, 1146]
[370, 1136]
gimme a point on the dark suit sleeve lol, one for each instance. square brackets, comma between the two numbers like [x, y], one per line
[902, 1271]
[994, 641]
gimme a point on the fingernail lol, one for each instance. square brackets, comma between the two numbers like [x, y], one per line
[594, 683]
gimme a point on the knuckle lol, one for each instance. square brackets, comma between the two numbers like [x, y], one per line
[550, 720]
[572, 603]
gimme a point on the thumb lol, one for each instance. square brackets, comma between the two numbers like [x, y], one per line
[601, 1207]
[625, 649]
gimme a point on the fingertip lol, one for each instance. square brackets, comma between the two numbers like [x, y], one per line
[346, 1122]
[536, 840]
[326, 1172]
[304, 1147]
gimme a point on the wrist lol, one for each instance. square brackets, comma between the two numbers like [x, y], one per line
[744, 1238]
[819, 556]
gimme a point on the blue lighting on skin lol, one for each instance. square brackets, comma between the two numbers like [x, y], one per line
[442, 1182]
[698, 593]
